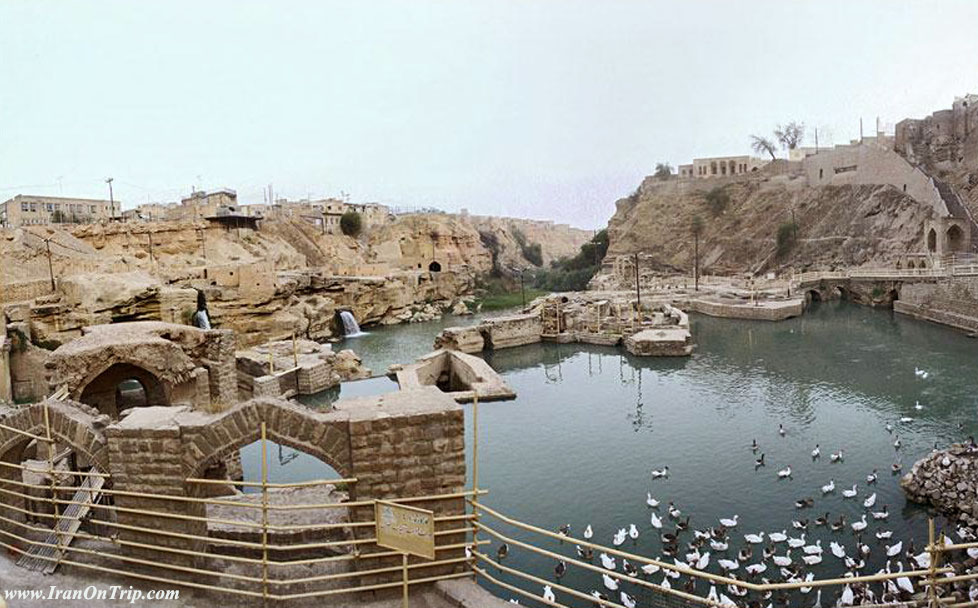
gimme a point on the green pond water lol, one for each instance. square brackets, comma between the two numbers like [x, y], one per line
[590, 423]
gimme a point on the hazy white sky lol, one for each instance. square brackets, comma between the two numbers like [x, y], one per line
[537, 109]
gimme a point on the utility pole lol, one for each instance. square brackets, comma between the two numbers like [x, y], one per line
[860, 129]
[522, 288]
[638, 291]
[47, 244]
[816, 140]
[696, 261]
[152, 259]
[111, 198]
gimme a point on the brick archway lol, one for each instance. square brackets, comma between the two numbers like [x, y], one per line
[101, 390]
[292, 426]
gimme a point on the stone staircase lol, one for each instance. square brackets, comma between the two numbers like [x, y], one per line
[44, 557]
[956, 207]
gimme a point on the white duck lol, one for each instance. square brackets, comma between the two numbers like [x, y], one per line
[859, 526]
[783, 560]
[785, 472]
[653, 503]
[797, 543]
[815, 549]
[656, 522]
[811, 560]
[850, 493]
[728, 564]
[632, 532]
[837, 550]
[778, 537]
[609, 583]
[894, 550]
[729, 522]
[836, 456]
[755, 568]
[829, 487]
[870, 502]
[607, 561]
[660, 473]
[754, 539]
[588, 532]
[627, 600]
[817, 452]
[548, 594]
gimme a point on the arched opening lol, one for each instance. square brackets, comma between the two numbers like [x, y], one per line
[932, 240]
[840, 292]
[434, 266]
[955, 239]
[911, 265]
[812, 296]
[123, 385]
[894, 295]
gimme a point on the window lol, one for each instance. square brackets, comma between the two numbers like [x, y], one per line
[33, 207]
[24, 207]
[847, 169]
[91, 208]
[49, 207]
[821, 173]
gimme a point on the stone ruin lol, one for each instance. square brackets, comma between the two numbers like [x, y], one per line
[948, 480]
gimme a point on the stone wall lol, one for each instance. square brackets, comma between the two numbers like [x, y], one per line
[764, 311]
[953, 303]
[948, 480]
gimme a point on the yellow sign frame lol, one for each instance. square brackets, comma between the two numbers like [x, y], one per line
[409, 530]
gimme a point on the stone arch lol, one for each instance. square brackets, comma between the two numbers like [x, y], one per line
[932, 240]
[840, 292]
[911, 265]
[434, 266]
[102, 391]
[955, 239]
[812, 296]
[286, 424]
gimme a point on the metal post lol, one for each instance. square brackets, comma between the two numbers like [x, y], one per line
[475, 470]
[54, 495]
[47, 243]
[404, 564]
[696, 261]
[264, 515]
[111, 198]
[932, 575]
[522, 288]
[638, 291]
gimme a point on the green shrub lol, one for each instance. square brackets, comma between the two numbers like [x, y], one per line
[351, 223]
[717, 200]
[787, 236]
[573, 274]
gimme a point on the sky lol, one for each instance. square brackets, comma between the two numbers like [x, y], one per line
[541, 109]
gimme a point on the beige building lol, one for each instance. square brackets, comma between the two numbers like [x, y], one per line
[202, 204]
[27, 210]
[720, 166]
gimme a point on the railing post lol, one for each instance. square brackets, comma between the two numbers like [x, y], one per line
[475, 476]
[932, 576]
[264, 515]
[54, 492]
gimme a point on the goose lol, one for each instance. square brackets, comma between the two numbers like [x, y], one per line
[894, 550]
[797, 543]
[671, 573]
[588, 532]
[863, 548]
[703, 562]
[560, 569]
[922, 560]
[585, 553]
[502, 551]
[660, 473]
[884, 534]
[755, 568]
[906, 419]
[838, 524]
[548, 594]
[650, 569]
[682, 524]
[627, 600]
[965, 534]
[852, 564]
[668, 538]
[759, 462]
[728, 564]
[848, 597]
[859, 526]
[917, 406]
[808, 578]
[851, 493]
[754, 539]
[903, 582]
[783, 560]
[632, 532]
[712, 595]
[564, 530]
[656, 522]
[785, 472]
[918, 372]
[815, 549]
[837, 550]
[889, 427]
[745, 554]
[653, 503]
[610, 584]
[871, 478]
[718, 545]
[897, 443]
[817, 452]
[811, 560]
[822, 520]
[895, 467]
[778, 537]
[753, 445]
[836, 456]
[729, 522]
[701, 534]
[768, 552]
[870, 502]
[619, 537]
[781, 430]
[829, 487]
[972, 552]
[665, 583]
[673, 511]
[799, 524]
[607, 561]
[804, 503]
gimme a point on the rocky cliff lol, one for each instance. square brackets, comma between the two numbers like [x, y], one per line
[836, 225]
[948, 480]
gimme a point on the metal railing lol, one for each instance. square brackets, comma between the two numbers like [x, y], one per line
[339, 554]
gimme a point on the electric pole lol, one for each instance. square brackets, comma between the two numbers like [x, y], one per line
[638, 291]
[696, 261]
[111, 198]
[522, 288]
[47, 244]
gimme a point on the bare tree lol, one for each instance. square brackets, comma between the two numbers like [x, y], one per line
[762, 144]
[791, 134]
[663, 170]
[696, 229]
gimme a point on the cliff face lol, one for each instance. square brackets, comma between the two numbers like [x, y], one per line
[836, 225]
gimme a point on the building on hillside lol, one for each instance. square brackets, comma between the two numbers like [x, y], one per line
[938, 139]
[202, 204]
[720, 166]
[325, 214]
[27, 210]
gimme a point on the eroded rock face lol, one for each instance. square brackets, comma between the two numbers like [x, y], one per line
[948, 480]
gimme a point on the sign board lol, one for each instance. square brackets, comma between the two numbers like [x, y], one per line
[406, 529]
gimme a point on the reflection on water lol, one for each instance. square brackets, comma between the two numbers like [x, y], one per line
[590, 422]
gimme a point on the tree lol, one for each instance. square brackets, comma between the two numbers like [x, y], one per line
[351, 223]
[717, 199]
[790, 135]
[787, 237]
[762, 145]
[663, 171]
[696, 228]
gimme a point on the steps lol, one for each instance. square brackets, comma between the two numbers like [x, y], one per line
[44, 557]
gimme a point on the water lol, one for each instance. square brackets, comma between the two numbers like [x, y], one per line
[589, 424]
[351, 329]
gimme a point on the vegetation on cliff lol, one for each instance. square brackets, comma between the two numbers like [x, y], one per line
[351, 223]
[573, 274]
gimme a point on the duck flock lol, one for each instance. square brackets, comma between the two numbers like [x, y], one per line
[844, 546]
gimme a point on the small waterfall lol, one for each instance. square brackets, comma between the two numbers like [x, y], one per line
[351, 328]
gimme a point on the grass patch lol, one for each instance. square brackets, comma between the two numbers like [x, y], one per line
[503, 300]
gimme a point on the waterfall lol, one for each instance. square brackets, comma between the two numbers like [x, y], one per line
[351, 328]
